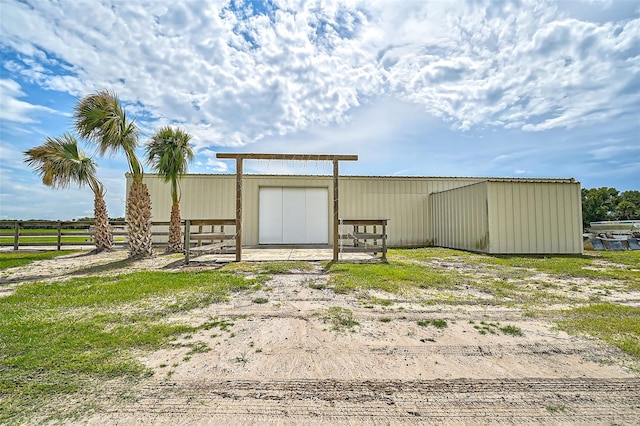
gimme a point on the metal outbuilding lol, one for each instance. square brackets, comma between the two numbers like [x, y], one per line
[509, 217]
[490, 215]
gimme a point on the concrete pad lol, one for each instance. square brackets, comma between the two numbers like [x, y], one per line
[280, 254]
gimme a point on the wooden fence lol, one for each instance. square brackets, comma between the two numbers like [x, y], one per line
[60, 234]
[364, 236]
[200, 235]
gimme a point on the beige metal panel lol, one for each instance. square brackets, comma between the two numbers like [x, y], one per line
[203, 197]
[459, 217]
[403, 200]
[534, 217]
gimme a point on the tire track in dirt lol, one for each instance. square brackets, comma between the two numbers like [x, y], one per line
[500, 350]
[549, 401]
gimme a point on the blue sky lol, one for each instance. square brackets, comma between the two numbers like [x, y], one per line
[444, 88]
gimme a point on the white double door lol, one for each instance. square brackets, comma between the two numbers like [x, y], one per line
[293, 216]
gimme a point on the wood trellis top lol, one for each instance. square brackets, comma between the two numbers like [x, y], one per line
[292, 157]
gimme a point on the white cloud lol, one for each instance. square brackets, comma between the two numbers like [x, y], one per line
[234, 77]
[375, 78]
[14, 110]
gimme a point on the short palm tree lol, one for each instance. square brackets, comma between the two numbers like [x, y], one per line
[100, 118]
[168, 153]
[60, 163]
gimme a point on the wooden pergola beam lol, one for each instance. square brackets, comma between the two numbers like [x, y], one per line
[240, 157]
[291, 157]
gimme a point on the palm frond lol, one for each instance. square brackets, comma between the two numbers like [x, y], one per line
[100, 118]
[60, 163]
[168, 153]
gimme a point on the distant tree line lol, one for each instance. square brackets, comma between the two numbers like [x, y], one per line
[609, 204]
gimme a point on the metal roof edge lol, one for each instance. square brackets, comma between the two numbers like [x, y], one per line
[476, 178]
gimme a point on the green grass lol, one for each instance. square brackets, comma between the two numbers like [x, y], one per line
[21, 258]
[616, 324]
[511, 330]
[341, 319]
[620, 266]
[268, 267]
[577, 266]
[437, 323]
[64, 338]
[431, 253]
[393, 277]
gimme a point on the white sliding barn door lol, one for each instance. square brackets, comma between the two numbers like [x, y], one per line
[293, 216]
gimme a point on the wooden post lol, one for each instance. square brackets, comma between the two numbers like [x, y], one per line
[59, 235]
[187, 240]
[384, 240]
[16, 236]
[239, 209]
[336, 215]
[300, 157]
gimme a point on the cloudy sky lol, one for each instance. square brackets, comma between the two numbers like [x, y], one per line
[431, 88]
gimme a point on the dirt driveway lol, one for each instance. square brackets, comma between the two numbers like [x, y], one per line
[295, 352]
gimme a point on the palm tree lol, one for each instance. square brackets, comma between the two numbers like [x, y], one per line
[60, 163]
[168, 153]
[100, 118]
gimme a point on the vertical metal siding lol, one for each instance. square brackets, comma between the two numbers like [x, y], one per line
[402, 200]
[459, 217]
[545, 217]
[519, 217]
[202, 197]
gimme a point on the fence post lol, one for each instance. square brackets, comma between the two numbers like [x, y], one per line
[16, 236]
[384, 240]
[59, 235]
[187, 240]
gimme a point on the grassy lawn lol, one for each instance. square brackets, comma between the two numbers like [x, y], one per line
[615, 324]
[63, 338]
[511, 281]
[11, 259]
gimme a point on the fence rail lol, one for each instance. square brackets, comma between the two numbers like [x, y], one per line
[68, 233]
[364, 236]
[217, 238]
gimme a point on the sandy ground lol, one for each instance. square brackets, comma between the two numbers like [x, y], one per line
[280, 362]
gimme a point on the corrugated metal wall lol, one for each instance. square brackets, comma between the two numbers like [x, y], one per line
[509, 217]
[460, 218]
[202, 197]
[528, 217]
[516, 211]
[402, 200]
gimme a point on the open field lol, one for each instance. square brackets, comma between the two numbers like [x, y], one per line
[434, 336]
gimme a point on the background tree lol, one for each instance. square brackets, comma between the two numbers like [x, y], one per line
[604, 203]
[168, 153]
[60, 163]
[100, 118]
[632, 197]
[626, 210]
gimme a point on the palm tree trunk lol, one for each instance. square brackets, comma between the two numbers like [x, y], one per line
[103, 234]
[176, 244]
[139, 220]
